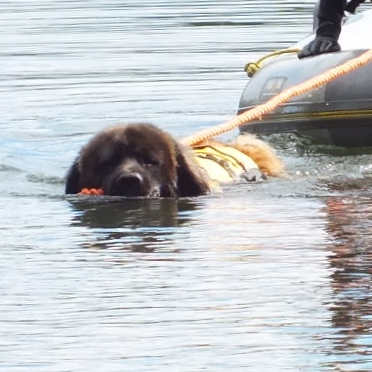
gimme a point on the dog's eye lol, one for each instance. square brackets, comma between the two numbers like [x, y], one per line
[150, 162]
[110, 161]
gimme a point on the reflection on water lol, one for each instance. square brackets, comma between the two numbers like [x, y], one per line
[138, 225]
[273, 276]
[350, 259]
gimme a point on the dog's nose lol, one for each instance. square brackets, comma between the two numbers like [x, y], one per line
[130, 185]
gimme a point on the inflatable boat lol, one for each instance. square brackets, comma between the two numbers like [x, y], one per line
[339, 113]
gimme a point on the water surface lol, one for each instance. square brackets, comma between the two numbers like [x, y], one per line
[273, 276]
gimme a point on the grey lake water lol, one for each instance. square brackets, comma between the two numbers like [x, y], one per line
[273, 276]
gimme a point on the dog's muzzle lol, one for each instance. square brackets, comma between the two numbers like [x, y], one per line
[131, 184]
[126, 184]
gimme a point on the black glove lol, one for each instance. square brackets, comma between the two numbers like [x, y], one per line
[329, 18]
[352, 5]
[321, 44]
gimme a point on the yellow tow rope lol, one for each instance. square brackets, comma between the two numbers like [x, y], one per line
[265, 108]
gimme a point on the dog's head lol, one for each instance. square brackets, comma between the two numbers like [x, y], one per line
[135, 160]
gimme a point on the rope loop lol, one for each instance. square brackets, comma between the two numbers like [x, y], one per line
[252, 67]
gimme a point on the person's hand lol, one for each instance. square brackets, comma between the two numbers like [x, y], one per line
[321, 44]
[352, 5]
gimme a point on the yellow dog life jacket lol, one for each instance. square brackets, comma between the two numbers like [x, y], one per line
[222, 163]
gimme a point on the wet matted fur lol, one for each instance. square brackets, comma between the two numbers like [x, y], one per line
[141, 160]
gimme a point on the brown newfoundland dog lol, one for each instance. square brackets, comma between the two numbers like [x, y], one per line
[140, 160]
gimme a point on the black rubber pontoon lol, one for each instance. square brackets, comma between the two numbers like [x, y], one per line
[339, 113]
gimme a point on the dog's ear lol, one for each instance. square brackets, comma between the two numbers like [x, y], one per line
[73, 178]
[190, 180]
